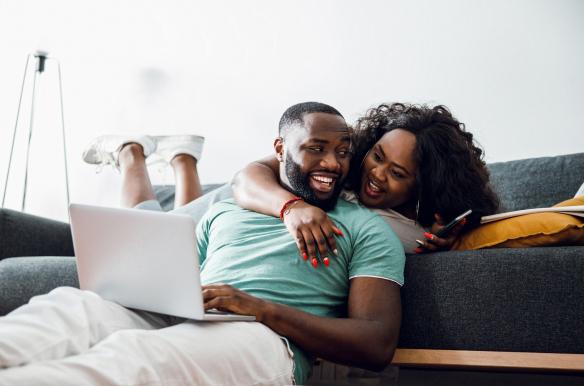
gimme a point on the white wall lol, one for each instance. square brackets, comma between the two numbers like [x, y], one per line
[513, 71]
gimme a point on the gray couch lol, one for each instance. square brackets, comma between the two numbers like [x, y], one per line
[521, 300]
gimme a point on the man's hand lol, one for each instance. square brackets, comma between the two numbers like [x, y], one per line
[366, 338]
[224, 297]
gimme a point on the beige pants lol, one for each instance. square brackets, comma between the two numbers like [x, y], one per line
[74, 337]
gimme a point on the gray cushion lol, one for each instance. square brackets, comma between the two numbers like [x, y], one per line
[528, 299]
[537, 182]
[24, 277]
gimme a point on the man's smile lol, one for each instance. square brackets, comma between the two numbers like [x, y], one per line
[323, 182]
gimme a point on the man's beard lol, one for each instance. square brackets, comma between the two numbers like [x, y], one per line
[299, 182]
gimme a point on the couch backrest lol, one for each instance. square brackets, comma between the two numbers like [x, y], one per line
[521, 184]
[537, 182]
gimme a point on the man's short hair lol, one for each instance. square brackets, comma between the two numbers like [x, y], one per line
[294, 115]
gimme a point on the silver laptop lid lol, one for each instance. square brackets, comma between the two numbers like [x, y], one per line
[140, 259]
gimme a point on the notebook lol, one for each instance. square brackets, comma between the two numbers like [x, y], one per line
[141, 259]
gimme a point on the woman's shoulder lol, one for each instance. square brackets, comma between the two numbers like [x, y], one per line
[348, 209]
[406, 229]
[386, 214]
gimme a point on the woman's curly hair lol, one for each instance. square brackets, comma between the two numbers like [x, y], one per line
[451, 177]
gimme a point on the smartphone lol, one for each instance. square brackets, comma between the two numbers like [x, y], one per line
[446, 230]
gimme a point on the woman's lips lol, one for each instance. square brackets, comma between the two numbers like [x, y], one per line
[372, 189]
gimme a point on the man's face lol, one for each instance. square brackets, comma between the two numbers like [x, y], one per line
[315, 159]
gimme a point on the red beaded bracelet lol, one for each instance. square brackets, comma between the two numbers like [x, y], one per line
[286, 207]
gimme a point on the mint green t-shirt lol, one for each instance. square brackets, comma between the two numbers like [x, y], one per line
[256, 254]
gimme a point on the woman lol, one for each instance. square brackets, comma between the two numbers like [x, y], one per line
[414, 165]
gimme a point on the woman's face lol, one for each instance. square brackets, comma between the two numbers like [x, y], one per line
[388, 173]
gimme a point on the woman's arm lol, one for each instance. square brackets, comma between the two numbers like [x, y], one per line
[256, 188]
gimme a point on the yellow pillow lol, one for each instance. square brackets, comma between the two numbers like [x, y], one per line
[531, 230]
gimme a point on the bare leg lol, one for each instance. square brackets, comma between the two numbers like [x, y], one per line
[186, 176]
[136, 185]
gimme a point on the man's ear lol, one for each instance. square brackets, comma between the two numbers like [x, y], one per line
[279, 148]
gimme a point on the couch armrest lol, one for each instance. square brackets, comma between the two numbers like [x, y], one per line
[23, 234]
[24, 277]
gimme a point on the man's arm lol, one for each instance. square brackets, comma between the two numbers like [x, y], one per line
[367, 338]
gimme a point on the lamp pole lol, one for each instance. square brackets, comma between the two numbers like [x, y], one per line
[41, 58]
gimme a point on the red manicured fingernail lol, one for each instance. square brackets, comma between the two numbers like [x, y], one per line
[314, 262]
[304, 256]
[418, 250]
[463, 222]
[326, 261]
[429, 236]
[338, 232]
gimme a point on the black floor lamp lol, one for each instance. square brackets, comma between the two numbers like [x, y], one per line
[40, 59]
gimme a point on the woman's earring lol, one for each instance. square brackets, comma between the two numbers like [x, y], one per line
[417, 210]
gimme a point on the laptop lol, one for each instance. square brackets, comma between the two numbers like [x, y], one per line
[141, 259]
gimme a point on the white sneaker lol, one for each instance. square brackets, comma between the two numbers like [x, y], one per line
[169, 146]
[105, 149]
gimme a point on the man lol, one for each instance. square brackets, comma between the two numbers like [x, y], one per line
[349, 313]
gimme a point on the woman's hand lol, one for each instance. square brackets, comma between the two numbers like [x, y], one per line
[434, 243]
[313, 231]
